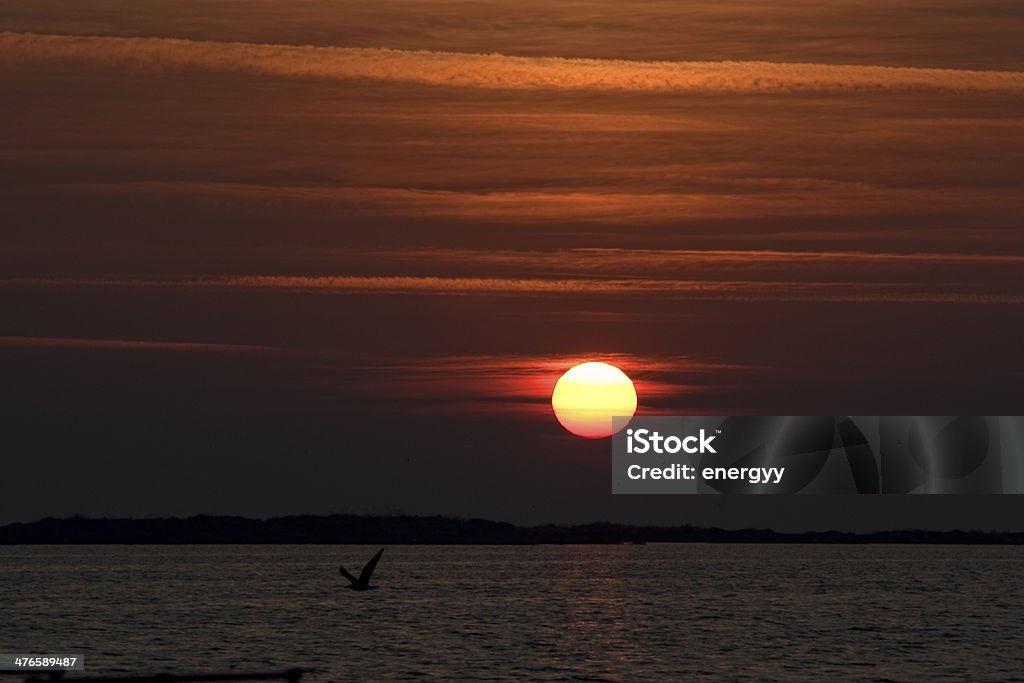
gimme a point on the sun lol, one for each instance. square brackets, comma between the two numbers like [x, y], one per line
[589, 395]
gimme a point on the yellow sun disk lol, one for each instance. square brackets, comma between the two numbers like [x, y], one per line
[588, 396]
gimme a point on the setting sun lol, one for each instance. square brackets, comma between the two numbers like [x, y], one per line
[589, 395]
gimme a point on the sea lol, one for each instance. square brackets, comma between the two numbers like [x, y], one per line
[691, 612]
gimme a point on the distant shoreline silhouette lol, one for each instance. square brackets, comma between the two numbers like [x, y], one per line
[402, 529]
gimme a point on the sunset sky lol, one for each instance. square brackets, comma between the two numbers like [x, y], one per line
[264, 257]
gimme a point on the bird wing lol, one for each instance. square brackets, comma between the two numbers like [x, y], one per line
[364, 577]
[344, 572]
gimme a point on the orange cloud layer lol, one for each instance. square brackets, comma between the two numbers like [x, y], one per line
[707, 290]
[492, 70]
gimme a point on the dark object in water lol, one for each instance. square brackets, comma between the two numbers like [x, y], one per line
[363, 582]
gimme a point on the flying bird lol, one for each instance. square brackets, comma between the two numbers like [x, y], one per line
[363, 582]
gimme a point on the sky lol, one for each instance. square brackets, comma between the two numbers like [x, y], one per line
[262, 257]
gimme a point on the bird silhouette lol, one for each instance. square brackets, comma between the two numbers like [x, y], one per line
[363, 582]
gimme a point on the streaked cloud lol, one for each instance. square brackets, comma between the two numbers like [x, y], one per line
[492, 383]
[493, 71]
[700, 290]
[589, 259]
[16, 342]
[461, 384]
[753, 200]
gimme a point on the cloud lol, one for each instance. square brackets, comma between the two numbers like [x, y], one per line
[492, 70]
[500, 383]
[594, 259]
[701, 290]
[120, 345]
[751, 200]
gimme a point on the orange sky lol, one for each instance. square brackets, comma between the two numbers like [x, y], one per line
[290, 215]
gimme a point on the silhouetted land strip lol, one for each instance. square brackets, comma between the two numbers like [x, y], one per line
[356, 529]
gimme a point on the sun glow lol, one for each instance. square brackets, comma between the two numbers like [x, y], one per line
[589, 395]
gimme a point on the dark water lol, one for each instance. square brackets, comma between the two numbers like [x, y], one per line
[693, 612]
